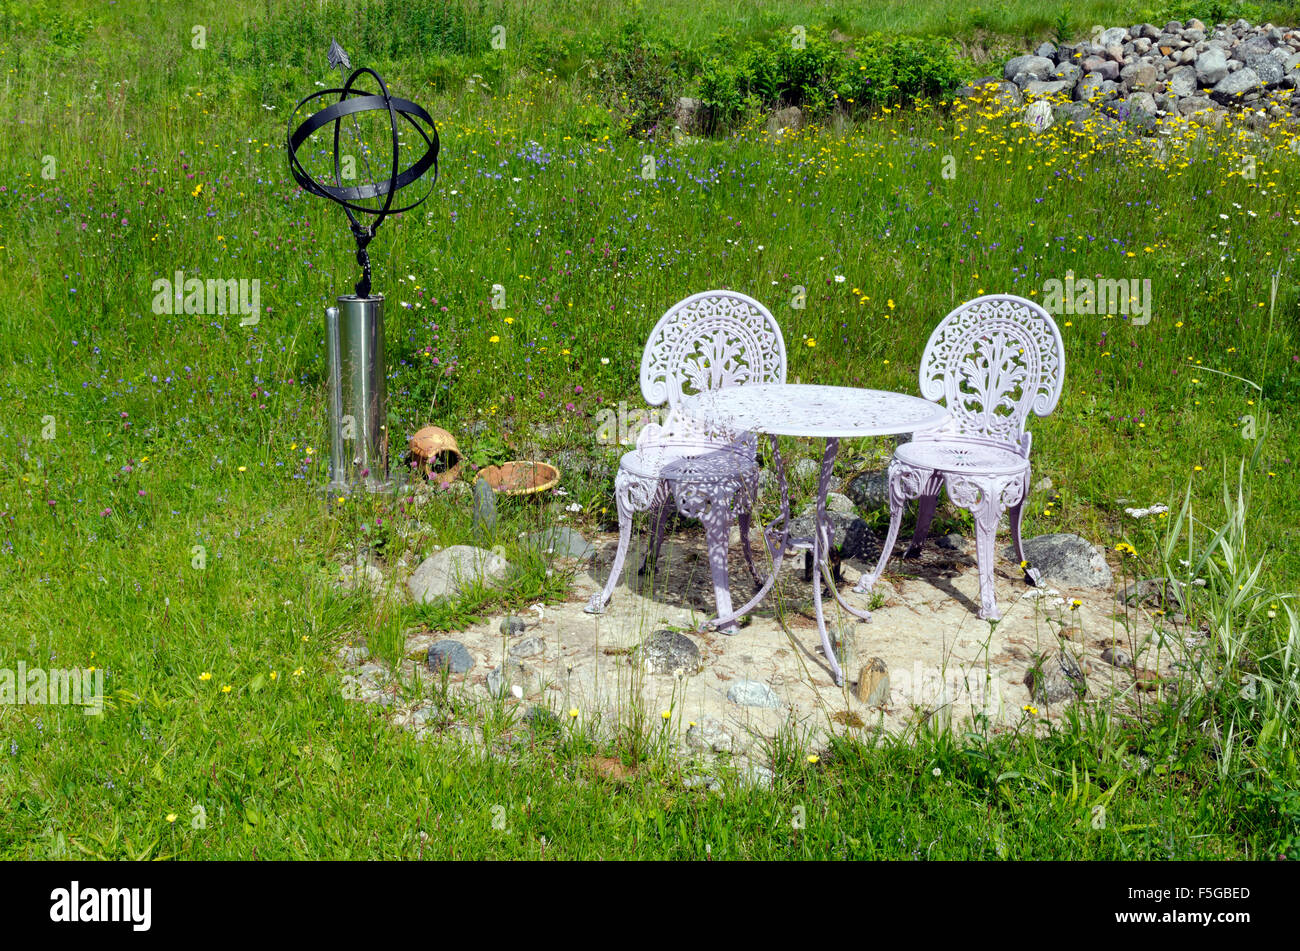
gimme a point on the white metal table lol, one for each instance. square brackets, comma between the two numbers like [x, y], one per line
[827, 412]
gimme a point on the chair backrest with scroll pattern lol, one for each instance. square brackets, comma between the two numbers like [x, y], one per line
[705, 342]
[992, 362]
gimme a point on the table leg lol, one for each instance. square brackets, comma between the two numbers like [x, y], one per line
[822, 538]
[780, 527]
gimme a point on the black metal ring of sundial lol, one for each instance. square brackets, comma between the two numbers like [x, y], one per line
[362, 101]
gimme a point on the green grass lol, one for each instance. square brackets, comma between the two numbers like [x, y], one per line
[154, 416]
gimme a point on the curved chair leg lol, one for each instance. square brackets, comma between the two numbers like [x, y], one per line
[985, 497]
[900, 478]
[986, 528]
[1016, 514]
[717, 526]
[659, 519]
[929, 501]
[626, 491]
[742, 520]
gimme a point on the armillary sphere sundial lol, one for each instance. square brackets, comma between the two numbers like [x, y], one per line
[354, 335]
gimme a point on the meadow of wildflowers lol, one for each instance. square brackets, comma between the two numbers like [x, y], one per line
[158, 471]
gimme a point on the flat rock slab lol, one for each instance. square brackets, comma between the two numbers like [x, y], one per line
[670, 652]
[528, 647]
[1065, 559]
[752, 693]
[562, 541]
[450, 654]
[450, 571]
[940, 660]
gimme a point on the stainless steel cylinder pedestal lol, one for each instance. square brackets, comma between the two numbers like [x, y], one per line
[358, 396]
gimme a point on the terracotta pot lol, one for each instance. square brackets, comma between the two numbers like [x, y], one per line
[436, 453]
[521, 478]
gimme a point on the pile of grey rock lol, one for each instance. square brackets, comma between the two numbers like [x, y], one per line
[1156, 77]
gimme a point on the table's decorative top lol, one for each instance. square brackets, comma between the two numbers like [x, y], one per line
[806, 409]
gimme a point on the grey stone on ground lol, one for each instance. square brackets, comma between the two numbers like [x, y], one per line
[1114, 35]
[1089, 87]
[1235, 85]
[1156, 594]
[562, 541]
[1042, 89]
[995, 91]
[873, 683]
[510, 626]
[710, 734]
[805, 468]
[1055, 678]
[540, 717]
[528, 647]
[759, 776]
[1038, 115]
[1070, 72]
[789, 119]
[1142, 102]
[751, 693]
[691, 115]
[485, 507]
[666, 652]
[376, 672]
[953, 542]
[1211, 66]
[450, 654]
[1116, 657]
[1073, 112]
[1066, 559]
[1182, 81]
[869, 491]
[1034, 67]
[353, 655]
[354, 578]
[835, 502]
[500, 679]
[848, 532]
[1267, 68]
[711, 783]
[446, 573]
[421, 716]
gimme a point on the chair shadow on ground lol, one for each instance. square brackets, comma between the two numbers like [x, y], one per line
[681, 577]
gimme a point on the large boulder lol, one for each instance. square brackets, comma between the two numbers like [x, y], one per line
[1042, 90]
[1268, 68]
[1055, 678]
[1029, 67]
[991, 91]
[1181, 82]
[789, 119]
[869, 491]
[1236, 85]
[667, 652]
[848, 533]
[1066, 559]
[451, 570]
[691, 115]
[1211, 66]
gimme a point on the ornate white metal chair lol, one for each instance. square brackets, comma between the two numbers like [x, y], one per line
[991, 361]
[709, 340]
